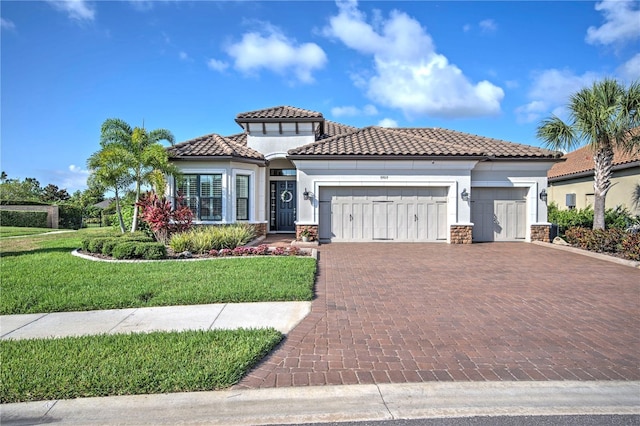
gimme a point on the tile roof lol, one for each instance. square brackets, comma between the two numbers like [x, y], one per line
[581, 161]
[214, 145]
[278, 113]
[377, 141]
[331, 128]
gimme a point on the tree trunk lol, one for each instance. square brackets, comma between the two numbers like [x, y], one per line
[603, 159]
[119, 212]
[134, 223]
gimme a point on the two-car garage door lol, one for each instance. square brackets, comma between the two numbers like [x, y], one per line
[378, 214]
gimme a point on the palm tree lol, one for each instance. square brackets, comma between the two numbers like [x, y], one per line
[602, 116]
[145, 157]
[108, 169]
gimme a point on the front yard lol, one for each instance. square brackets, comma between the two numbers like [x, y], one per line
[39, 274]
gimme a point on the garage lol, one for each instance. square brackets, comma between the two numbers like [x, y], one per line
[499, 214]
[383, 214]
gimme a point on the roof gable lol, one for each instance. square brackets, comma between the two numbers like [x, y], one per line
[581, 161]
[279, 113]
[379, 141]
[214, 145]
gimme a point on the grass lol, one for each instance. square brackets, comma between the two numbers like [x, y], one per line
[16, 231]
[128, 364]
[39, 274]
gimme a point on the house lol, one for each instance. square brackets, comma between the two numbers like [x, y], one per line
[291, 168]
[571, 181]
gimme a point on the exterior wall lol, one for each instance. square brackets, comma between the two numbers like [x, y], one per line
[315, 174]
[52, 213]
[275, 144]
[621, 193]
[461, 234]
[229, 170]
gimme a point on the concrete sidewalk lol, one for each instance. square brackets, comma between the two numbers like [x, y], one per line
[298, 405]
[282, 316]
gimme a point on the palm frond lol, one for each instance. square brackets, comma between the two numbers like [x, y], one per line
[557, 134]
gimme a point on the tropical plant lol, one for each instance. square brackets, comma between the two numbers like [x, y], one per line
[108, 169]
[603, 116]
[145, 157]
[162, 218]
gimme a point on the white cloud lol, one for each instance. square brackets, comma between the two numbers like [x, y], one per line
[550, 92]
[388, 122]
[488, 26]
[76, 9]
[466, 28]
[622, 23]
[184, 56]
[630, 70]
[273, 51]
[7, 24]
[408, 72]
[352, 111]
[73, 179]
[216, 65]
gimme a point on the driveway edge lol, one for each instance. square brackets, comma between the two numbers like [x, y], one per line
[588, 253]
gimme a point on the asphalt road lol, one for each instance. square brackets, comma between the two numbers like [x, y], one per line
[587, 420]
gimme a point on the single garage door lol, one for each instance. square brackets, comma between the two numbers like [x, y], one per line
[499, 214]
[383, 214]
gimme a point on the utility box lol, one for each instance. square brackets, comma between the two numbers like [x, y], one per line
[571, 201]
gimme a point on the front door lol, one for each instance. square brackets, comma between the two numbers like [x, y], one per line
[285, 205]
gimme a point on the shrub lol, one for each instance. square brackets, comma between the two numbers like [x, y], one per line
[618, 218]
[151, 250]
[109, 244]
[162, 218]
[23, 219]
[125, 250]
[203, 239]
[69, 217]
[630, 246]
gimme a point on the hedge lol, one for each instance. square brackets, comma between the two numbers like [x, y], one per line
[69, 217]
[23, 219]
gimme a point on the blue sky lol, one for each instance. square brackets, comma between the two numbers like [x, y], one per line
[488, 68]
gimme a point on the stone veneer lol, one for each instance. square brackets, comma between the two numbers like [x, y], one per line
[260, 229]
[461, 234]
[541, 233]
[312, 228]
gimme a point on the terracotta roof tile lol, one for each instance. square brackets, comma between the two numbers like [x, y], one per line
[331, 128]
[423, 142]
[278, 113]
[581, 161]
[213, 145]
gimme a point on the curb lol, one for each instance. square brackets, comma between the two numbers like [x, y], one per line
[587, 253]
[297, 405]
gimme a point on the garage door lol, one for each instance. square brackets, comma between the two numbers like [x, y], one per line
[383, 214]
[499, 214]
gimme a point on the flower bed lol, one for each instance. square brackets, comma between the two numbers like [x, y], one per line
[625, 244]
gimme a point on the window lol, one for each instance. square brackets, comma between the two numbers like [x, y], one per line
[242, 197]
[203, 195]
[282, 172]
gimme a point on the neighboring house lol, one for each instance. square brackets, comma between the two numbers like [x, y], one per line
[574, 177]
[291, 168]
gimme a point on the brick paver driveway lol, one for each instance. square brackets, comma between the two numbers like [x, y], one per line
[435, 312]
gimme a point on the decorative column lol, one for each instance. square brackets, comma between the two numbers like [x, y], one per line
[461, 234]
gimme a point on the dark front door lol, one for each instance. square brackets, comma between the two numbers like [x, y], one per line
[285, 205]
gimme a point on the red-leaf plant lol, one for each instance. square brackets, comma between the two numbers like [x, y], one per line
[162, 218]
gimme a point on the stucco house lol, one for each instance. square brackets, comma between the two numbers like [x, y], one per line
[571, 181]
[291, 168]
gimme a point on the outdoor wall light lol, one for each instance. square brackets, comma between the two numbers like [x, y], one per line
[305, 194]
[464, 195]
[543, 195]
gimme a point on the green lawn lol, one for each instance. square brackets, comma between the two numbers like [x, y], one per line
[39, 274]
[15, 231]
[128, 364]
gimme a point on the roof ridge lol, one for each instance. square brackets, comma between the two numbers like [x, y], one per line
[461, 148]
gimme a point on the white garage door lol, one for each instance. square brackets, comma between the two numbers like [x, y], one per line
[379, 214]
[499, 214]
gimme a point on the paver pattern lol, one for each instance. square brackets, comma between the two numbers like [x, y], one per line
[395, 313]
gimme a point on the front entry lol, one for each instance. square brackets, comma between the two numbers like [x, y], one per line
[283, 206]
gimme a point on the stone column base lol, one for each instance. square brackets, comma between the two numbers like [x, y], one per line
[260, 229]
[541, 233]
[313, 230]
[461, 234]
